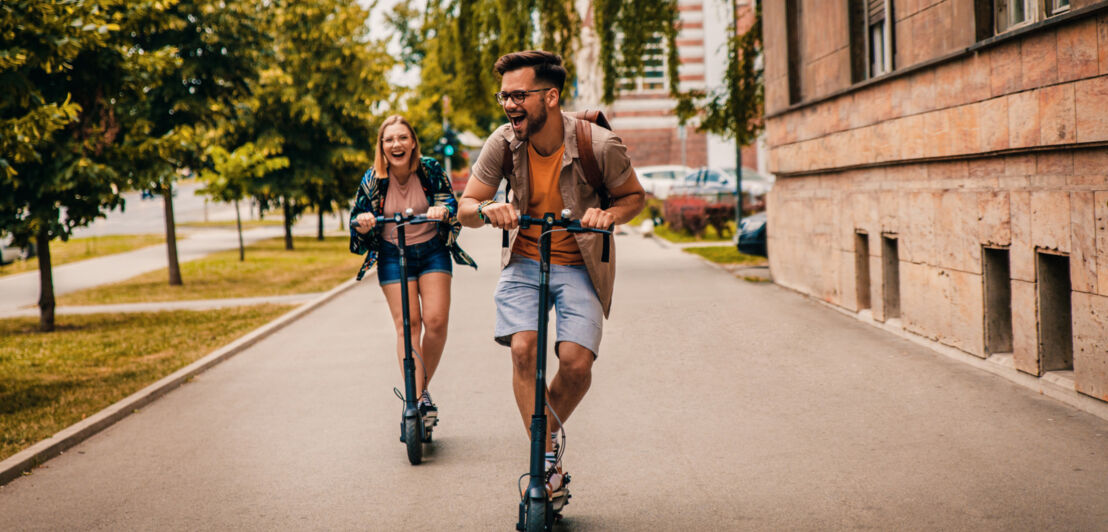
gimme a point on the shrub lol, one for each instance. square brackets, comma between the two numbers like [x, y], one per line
[686, 213]
[718, 214]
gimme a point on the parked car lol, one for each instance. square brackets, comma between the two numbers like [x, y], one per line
[704, 181]
[657, 180]
[9, 253]
[754, 184]
[751, 236]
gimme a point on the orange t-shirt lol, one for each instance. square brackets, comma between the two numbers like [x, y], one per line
[545, 197]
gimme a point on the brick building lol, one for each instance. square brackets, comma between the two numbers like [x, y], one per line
[943, 170]
[643, 112]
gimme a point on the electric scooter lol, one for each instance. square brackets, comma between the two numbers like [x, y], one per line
[415, 430]
[538, 511]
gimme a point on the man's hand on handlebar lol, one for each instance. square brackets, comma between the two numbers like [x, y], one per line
[501, 215]
[597, 219]
[365, 221]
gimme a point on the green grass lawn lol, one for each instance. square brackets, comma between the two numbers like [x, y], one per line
[313, 266]
[49, 381]
[710, 234]
[725, 255]
[85, 248]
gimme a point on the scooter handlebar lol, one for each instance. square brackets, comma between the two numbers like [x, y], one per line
[407, 218]
[565, 222]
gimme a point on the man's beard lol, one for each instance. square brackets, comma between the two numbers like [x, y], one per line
[534, 124]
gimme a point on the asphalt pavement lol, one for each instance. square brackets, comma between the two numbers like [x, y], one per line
[716, 403]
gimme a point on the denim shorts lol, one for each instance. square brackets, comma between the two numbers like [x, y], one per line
[580, 316]
[428, 257]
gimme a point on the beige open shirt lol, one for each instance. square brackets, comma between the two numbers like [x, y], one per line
[577, 195]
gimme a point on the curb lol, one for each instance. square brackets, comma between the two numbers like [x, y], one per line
[24, 461]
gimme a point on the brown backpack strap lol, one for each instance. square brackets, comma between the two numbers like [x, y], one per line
[595, 116]
[592, 172]
[506, 166]
[588, 157]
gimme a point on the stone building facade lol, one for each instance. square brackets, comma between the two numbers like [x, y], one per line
[943, 168]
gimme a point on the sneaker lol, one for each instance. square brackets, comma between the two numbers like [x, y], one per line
[427, 409]
[557, 487]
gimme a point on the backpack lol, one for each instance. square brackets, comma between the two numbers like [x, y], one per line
[584, 150]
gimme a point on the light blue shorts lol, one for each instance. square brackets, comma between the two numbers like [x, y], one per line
[580, 317]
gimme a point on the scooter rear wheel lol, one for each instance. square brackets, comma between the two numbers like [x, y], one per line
[413, 439]
[539, 516]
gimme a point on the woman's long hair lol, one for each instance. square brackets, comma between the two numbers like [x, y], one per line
[380, 162]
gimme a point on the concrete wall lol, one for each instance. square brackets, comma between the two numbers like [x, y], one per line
[1001, 145]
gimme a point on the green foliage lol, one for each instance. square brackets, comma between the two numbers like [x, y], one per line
[315, 103]
[216, 47]
[232, 175]
[457, 42]
[63, 65]
[627, 30]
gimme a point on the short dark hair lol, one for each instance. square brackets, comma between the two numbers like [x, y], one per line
[548, 66]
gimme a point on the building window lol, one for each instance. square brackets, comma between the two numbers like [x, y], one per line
[1055, 7]
[1012, 14]
[879, 37]
[792, 30]
[653, 77]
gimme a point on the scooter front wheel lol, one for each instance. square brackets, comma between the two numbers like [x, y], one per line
[413, 439]
[539, 516]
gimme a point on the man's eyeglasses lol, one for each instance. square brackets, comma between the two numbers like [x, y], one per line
[517, 96]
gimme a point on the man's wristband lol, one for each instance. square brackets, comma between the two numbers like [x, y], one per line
[481, 207]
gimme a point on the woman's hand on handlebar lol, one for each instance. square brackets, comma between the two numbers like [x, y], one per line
[501, 215]
[597, 219]
[366, 221]
[436, 213]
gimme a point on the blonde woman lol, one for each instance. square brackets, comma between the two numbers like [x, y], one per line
[400, 179]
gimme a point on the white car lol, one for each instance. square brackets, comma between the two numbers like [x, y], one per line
[754, 184]
[657, 180]
[10, 253]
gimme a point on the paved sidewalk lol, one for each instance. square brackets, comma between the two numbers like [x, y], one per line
[196, 304]
[715, 404]
[21, 291]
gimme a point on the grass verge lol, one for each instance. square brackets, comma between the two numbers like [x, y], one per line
[725, 255]
[85, 248]
[49, 381]
[269, 270]
[710, 234]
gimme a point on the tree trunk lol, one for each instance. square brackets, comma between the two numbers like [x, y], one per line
[45, 281]
[238, 223]
[738, 183]
[288, 225]
[171, 236]
[320, 235]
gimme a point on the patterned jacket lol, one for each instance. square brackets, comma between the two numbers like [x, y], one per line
[371, 198]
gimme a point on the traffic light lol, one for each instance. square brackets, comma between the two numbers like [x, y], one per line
[448, 144]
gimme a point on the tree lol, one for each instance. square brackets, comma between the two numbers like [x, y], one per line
[63, 66]
[316, 102]
[233, 174]
[735, 110]
[218, 46]
[458, 41]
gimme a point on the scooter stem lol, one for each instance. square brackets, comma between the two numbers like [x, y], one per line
[409, 363]
[537, 488]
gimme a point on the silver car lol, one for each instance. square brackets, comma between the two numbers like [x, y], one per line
[657, 180]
